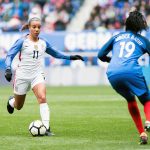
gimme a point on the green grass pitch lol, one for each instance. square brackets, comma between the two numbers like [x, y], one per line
[82, 118]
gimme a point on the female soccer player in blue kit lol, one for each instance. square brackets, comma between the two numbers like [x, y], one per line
[31, 49]
[124, 73]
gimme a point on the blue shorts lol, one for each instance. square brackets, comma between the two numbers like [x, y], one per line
[129, 85]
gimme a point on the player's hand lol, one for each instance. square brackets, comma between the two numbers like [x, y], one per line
[105, 59]
[8, 74]
[76, 57]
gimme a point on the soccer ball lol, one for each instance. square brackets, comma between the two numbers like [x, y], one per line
[36, 128]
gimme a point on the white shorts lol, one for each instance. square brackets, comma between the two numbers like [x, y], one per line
[22, 86]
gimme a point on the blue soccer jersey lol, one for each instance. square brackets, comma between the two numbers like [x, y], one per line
[126, 49]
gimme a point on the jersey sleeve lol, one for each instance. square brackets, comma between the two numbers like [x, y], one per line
[147, 43]
[54, 53]
[12, 52]
[106, 48]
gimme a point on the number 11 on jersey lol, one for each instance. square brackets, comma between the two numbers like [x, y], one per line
[35, 54]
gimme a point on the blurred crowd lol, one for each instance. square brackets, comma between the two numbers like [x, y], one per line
[111, 14]
[55, 14]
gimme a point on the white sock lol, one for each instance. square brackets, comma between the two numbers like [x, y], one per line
[45, 114]
[11, 102]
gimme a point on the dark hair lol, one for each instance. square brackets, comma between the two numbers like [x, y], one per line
[26, 26]
[136, 22]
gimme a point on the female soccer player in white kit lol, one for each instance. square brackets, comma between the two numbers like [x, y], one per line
[29, 73]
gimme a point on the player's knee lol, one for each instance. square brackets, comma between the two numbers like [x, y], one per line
[144, 98]
[42, 99]
[130, 98]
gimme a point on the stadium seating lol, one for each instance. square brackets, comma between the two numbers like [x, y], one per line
[111, 14]
[55, 14]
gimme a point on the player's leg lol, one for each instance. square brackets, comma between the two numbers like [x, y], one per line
[17, 101]
[140, 89]
[145, 100]
[40, 93]
[120, 84]
[135, 114]
[39, 89]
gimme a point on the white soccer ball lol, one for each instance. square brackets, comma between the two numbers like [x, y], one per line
[37, 128]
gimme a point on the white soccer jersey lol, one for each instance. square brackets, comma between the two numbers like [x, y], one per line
[30, 56]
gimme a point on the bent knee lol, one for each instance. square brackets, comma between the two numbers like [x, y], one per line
[42, 99]
[144, 98]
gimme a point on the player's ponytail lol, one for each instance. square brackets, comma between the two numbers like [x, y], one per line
[136, 22]
[24, 27]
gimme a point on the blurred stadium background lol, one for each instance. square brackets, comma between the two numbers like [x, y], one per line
[85, 114]
[72, 26]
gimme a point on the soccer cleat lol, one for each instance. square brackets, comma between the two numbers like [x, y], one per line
[143, 138]
[147, 126]
[49, 133]
[9, 108]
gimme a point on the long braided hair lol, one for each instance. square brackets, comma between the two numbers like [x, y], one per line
[136, 22]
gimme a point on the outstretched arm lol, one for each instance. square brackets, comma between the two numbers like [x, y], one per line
[102, 54]
[59, 55]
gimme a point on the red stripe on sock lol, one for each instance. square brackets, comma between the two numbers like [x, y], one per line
[135, 114]
[147, 110]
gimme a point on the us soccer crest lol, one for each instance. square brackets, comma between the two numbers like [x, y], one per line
[36, 47]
